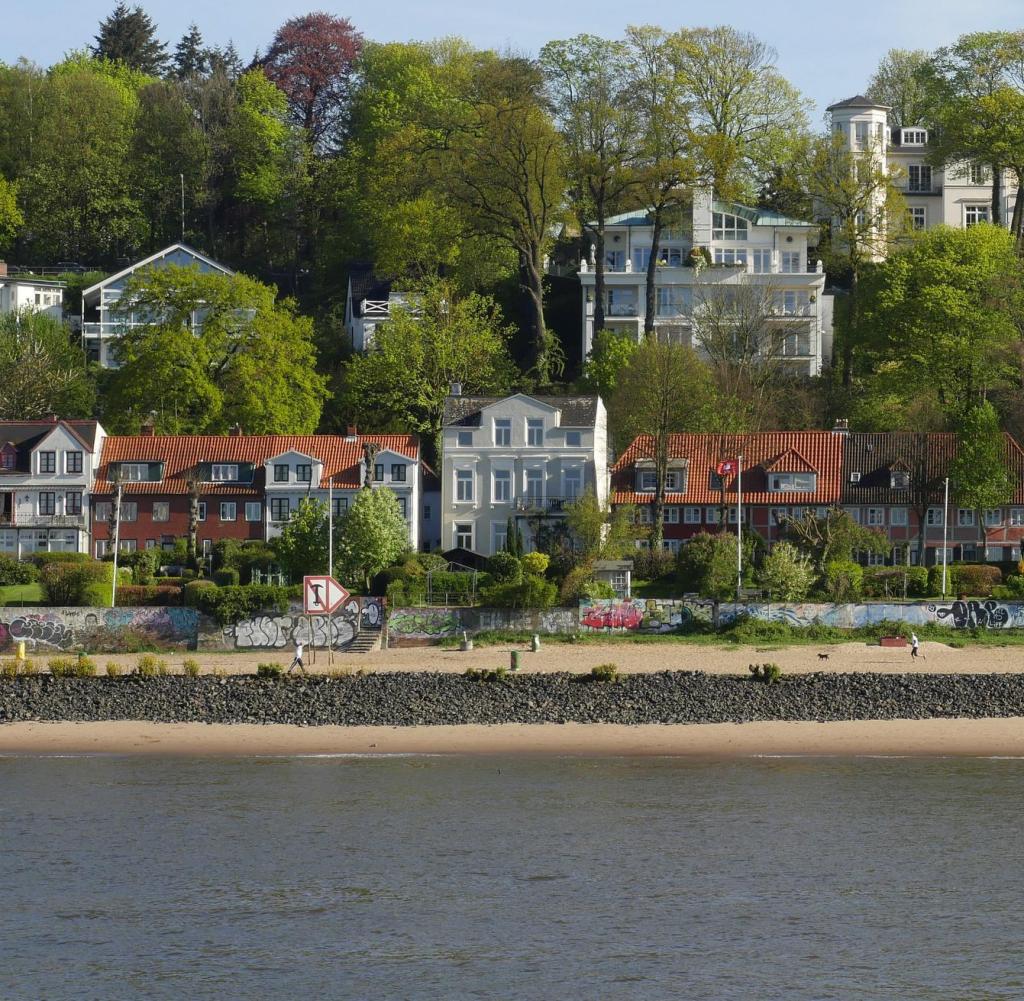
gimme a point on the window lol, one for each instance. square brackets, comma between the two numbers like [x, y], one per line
[101, 549]
[134, 472]
[463, 536]
[762, 261]
[8, 459]
[875, 559]
[973, 214]
[861, 133]
[934, 516]
[151, 543]
[979, 174]
[876, 515]
[166, 541]
[790, 262]
[793, 302]
[730, 256]
[965, 517]
[73, 502]
[398, 472]
[732, 515]
[403, 506]
[280, 472]
[47, 502]
[503, 485]
[534, 432]
[223, 472]
[919, 177]
[499, 536]
[503, 431]
[101, 511]
[201, 513]
[465, 439]
[128, 545]
[1017, 515]
[914, 137]
[426, 511]
[795, 482]
[898, 516]
[854, 513]
[644, 515]
[161, 511]
[535, 485]
[993, 516]
[464, 484]
[669, 545]
[129, 511]
[671, 516]
[899, 480]
[304, 473]
[573, 483]
[728, 227]
[47, 462]
[641, 258]
[378, 472]
[712, 515]
[73, 462]
[673, 300]
[615, 260]
[779, 515]
[691, 516]
[671, 257]
[228, 510]
[648, 479]
[280, 509]
[339, 506]
[253, 511]
[573, 439]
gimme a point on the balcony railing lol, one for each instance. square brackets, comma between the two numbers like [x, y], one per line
[48, 521]
[543, 505]
[622, 309]
[381, 308]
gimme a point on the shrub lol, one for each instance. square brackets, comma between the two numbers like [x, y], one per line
[68, 582]
[226, 578]
[190, 667]
[113, 669]
[189, 591]
[605, 672]
[597, 589]
[29, 668]
[707, 564]
[536, 563]
[143, 564]
[232, 604]
[133, 595]
[786, 573]
[41, 558]
[975, 580]
[145, 666]
[890, 582]
[85, 667]
[532, 592]
[14, 571]
[428, 562]
[843, 580]
[505, 568]
[9, 667]
[1011, 590]
[62, 667]
[396, 594]
[162, 667]
[574, 586]
[487, 674]
[170, 581]
[767, 673]
[269, 670]
[650, 564]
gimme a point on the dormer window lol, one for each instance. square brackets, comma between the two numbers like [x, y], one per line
[47, 462]
[647, 480]
[914, 137]
[800, 483]
[899, 480]
[134, 472]
[304, 473]
[725, 226]
[8, 459]
[223, 472]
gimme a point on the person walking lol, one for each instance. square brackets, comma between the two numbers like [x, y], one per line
[915, 645]
[297, 659]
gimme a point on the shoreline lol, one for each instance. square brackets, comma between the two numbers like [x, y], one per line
[951, 737]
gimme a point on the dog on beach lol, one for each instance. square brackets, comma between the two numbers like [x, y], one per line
[822, 656]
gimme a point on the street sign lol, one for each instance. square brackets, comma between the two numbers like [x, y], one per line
[322, 595]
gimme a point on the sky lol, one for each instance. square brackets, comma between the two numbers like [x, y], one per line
[826, 49]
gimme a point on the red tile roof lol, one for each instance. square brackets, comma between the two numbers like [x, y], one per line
[342, 457]
[776, 451]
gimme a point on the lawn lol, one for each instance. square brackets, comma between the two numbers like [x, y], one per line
[21, 594]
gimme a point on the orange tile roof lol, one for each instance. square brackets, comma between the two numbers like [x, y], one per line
[774, 451]
[341, 456]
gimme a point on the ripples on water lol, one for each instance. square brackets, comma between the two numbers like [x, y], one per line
[510, 878]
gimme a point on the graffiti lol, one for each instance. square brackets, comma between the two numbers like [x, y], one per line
[38, 630]
[371, 613]
[974, 614]
[423, 623]
[610, 614]
[277, 631]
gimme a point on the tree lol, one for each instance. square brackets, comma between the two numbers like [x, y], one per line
[372, 535]
[45, 372]
[312, 60]
[302, 548]
[786, 573]
[600, 530]
[438, 338]
[979, 477]
[587, 81]
[251, 362]
[707, 564]
[609, 355]
[191, 57]
[128, 36]
[899, 83]
[832, 538]
[663, 390]
[11, 219]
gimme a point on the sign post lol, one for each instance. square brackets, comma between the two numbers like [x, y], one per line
[323, 595]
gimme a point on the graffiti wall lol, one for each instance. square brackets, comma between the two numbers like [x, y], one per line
[274, 631]
[412, 626]
[48, 629]
[659, 615]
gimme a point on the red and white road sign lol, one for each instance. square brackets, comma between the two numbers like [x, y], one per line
[322, 595]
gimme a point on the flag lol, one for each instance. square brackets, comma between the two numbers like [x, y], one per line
[726, 467]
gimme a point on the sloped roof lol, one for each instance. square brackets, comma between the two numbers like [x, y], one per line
[858, 101]
[367, 285]
[152, 259]
[758, 217]
[817, 451]
[927, 456]
[576, 411]
[25, 435]
[342, 457]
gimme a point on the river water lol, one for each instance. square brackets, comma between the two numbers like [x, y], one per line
[548, 878]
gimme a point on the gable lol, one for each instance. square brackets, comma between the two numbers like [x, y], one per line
[790, 461]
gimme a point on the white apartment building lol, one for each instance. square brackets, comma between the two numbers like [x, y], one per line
[102, 319]
[957, 194]
[753, 248]
[517, 457]
[47, 469]
[28, 292]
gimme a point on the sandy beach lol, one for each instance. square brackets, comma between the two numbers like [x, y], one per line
[629, 657]
[931, 737]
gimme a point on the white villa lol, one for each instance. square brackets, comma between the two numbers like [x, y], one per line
[29, 292]
[520, 457]
[102, 323]
[746, 246]
[959, 194]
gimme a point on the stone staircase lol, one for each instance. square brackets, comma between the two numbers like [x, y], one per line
[368, 640]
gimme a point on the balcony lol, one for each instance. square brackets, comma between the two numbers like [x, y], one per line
[622, 309]
[48, 521]
[543, 505]
[380, 309]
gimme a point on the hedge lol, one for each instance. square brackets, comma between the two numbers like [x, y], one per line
[888, 582]
[973, 579]
[231, 604]
[14, 571]
[149, 594]
[226, 578]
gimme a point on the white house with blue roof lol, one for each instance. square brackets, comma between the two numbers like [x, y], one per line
[723, 245]
[103, 323]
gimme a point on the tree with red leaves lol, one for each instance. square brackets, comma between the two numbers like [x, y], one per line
[311, 60]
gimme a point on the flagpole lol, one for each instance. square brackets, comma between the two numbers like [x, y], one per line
[739, 525]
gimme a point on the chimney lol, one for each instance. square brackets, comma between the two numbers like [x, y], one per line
[52, 418]
[147, 430]
[3, 269]
[456, 389]
[235, 431]
[841, 426]
[351, 432]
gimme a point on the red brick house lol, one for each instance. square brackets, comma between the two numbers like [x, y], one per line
[248, 485]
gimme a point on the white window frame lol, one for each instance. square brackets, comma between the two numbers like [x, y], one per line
[974, 214]
[1017, 515]
[572, 483]
[727, 226]
[918, 217]
[781, 483]
[129, 511]
[898, 517]
[224, 472]
[464, 439]
[462, 535]
[201, 511]
[502, 486]
[790, 262]
[934, 517]
[691, 516]
[228, 511]
[161, 508]
[134, 472]
[919, 178]
[503, 432]
[731, 255]
[464, 486]
[762, 257]
[875, 517]
[573, 439]
[499, 535]
[993, 516]
[648, 481]
[965, 517]
[671, 514]
[254, 510]
[534, 432]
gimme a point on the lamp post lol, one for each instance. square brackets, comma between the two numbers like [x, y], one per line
[945, 536]
[739, 526]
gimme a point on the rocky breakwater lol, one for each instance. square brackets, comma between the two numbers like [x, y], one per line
[417, 699]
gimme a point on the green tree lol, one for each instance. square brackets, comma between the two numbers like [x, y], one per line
[831, 538]
[11, 219]
[600, 530]
[128, 36]
[302, 548]
[439, 338]
[191, 57]
[979, 476]
[899, 83]
[610, 354]
[786, 573]
[251, 363]
[371, 536]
